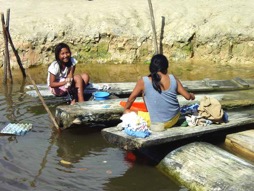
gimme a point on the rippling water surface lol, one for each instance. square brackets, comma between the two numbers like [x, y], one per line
[77, 159]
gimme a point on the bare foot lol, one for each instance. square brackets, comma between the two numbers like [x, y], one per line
[73, 102]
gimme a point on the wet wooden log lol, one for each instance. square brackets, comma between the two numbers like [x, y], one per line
[241, 143]
[202, 166]
[120, 139]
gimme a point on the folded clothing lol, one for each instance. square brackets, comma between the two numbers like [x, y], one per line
[139, 134]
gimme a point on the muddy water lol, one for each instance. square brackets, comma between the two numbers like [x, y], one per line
[77, 159]
[132, 72]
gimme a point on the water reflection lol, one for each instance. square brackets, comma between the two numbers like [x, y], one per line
[7, 102]
[87, 155]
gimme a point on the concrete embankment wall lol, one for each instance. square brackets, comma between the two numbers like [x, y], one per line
[120, 31]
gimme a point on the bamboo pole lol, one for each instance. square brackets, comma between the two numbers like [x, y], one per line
[7, 35]
[43, 102]
[162, 34]
[153, 26]
[7, 29]
[12, 45]
[7, 18]
[6, 53]
[16, 54]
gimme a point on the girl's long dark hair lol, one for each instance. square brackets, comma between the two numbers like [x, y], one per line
[58, 49]
[159, 63]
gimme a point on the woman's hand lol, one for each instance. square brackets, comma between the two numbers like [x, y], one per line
[192, 96]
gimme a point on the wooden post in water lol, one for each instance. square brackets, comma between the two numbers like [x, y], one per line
[12, 45]
[16, 54]
[153, 27]
[6, 53]
[7, 68]
[7, 29]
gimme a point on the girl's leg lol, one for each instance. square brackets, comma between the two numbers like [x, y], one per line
[85, 78]
[79, 87]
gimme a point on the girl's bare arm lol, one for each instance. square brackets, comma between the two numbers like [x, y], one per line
[53, 83]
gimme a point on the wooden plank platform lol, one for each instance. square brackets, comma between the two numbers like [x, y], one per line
[241, 143]
[123, 89]
[109, 111]
[119, 138]
[202, 166]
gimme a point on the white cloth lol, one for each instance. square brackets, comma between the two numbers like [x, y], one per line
[55, 70]
[194, 120]
[134, 122]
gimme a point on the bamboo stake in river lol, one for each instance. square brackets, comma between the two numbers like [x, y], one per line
[7, 37]
[153, 27]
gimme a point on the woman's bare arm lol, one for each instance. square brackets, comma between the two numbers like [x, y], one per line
[139, 88]
[181, 90]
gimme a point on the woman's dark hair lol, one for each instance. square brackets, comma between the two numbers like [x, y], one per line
[58, 49]
[159, 63]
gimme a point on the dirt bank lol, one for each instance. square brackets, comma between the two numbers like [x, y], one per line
[120, 31]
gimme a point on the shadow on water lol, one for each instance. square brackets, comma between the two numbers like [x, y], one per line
[153, 155]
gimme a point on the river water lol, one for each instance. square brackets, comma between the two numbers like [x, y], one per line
[77, 159]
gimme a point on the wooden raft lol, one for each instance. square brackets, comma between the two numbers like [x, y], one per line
[119, 138]
[241, 143]
[202, 166]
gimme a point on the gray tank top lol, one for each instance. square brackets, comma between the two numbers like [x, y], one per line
[161, 106]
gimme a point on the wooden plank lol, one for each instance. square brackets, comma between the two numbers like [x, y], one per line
[202, 166]
[118, 89]
[124, 89]
[241, 143]
[119, 138]
[242, 82]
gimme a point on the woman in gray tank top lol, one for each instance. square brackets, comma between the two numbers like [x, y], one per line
[159, 90]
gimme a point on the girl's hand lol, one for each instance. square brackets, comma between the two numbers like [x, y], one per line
[67, 85]
[68, 80]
